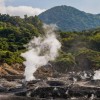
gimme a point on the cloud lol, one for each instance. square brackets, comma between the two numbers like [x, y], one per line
[2, 7]
[22, 10]
[19, 10]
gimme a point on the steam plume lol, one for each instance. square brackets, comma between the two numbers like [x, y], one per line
[40, 51]
[97, 75]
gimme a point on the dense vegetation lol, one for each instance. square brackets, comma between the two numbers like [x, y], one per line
[70, 19]
[14, 33]
[80, 50]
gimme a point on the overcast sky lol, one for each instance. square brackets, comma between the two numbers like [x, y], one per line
[35, 7]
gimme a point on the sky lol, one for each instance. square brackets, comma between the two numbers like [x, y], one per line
[35, 7]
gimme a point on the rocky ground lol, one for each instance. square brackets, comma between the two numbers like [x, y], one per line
[49, 85]
[14, 69]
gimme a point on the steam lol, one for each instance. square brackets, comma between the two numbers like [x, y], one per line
[96, 75]
[41, 50]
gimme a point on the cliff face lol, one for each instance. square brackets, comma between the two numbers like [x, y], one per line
[17, 70]
[14, 69]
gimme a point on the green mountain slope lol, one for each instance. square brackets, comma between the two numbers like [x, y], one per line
[70, 19]
[15, 32]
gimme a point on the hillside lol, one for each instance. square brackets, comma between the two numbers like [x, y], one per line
[80, 50]
[70, 19]
[15, 32]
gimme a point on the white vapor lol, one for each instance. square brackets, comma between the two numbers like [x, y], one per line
[23, 10]
[41, 50]
[96, 75]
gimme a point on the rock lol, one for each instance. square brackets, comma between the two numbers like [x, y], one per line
[44, 72]
[19, 67]
[12, 77]
[94, 83]
[3, 89]
[14, 69]
[3, 72]
[9, 84]
[55, 83]
[7, 97]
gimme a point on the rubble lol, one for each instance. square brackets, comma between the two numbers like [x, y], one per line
[61, 88]
[70, 86]
[14, 69]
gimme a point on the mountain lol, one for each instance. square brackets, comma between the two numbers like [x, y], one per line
[70, 19]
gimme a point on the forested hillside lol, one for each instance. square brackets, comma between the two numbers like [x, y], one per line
[80, 50]
[14, 33]
[70, 19]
